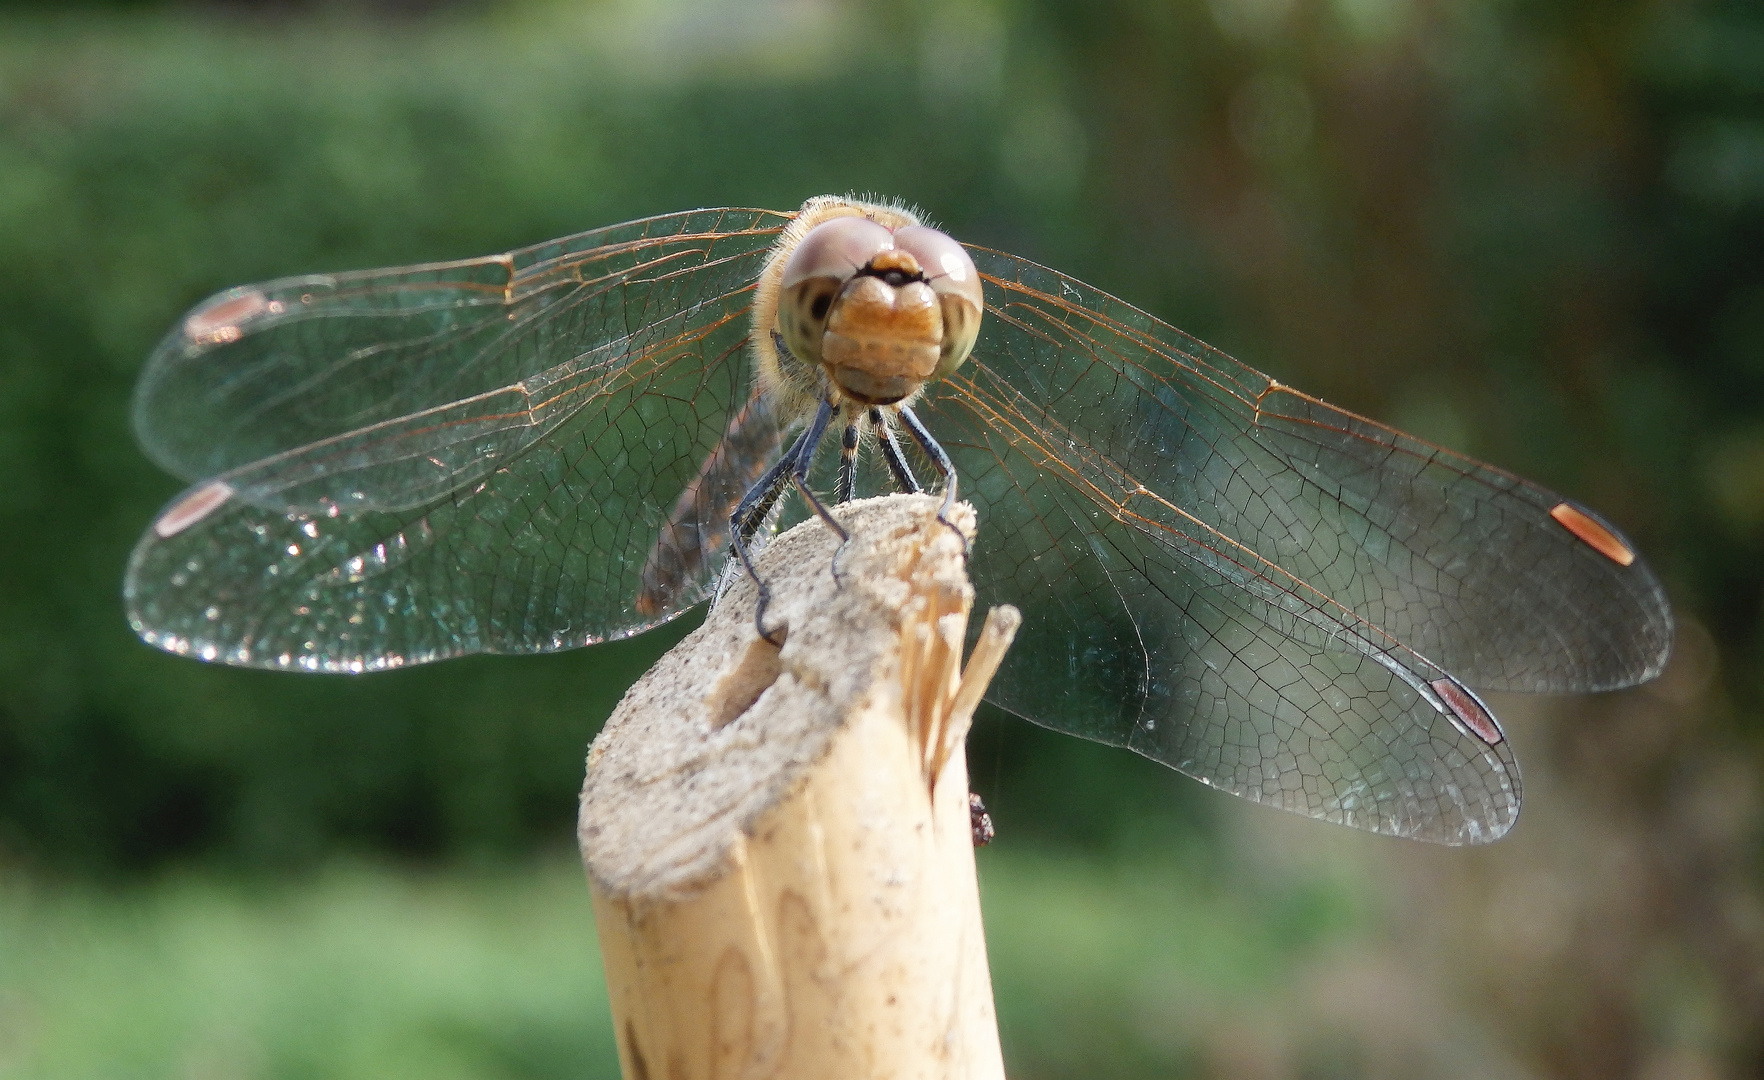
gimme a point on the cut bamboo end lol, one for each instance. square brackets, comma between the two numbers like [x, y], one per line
[778, 840]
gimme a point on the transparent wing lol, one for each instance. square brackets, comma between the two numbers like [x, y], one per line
[410, 464]
[1274, 596]
[260, 371]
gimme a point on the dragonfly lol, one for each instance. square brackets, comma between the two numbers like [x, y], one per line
[569, 443]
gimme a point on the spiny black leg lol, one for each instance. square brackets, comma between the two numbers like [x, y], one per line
[793, 467]
[943, 464]
[823, 416]
[897, 462]
[757, 504]
[752, 512]
[800, 468]
[848, 447]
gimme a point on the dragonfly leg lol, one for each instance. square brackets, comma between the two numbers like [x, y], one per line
[848, 447]
[792, 468]
[897, 463]
[759, 501]
[943, 465]
[745, 522]
[799, 469]
[800, 472]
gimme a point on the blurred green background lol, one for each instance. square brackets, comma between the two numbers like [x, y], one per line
[1534, 232]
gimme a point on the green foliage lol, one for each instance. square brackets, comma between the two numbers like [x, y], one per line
[367, 972]
[360, 973]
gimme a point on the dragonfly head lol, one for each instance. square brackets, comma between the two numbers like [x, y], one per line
[881, 310]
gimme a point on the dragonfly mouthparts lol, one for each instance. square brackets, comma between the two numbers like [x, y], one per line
[891, 275]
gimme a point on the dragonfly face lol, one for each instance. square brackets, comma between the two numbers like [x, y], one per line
[880, 309]
[545, 449]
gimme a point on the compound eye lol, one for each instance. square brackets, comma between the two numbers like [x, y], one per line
[948, 267]
[836, 249]
[949, 270]
[819, 267]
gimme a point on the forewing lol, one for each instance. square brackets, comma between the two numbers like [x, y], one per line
[513, 519]
[384, 356]
[1460, 562]
[1268, 594]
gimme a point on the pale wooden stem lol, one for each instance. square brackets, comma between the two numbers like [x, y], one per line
[778, 840]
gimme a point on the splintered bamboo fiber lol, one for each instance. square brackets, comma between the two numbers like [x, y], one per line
[778, 840]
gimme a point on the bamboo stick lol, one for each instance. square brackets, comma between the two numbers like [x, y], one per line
[778, 841]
